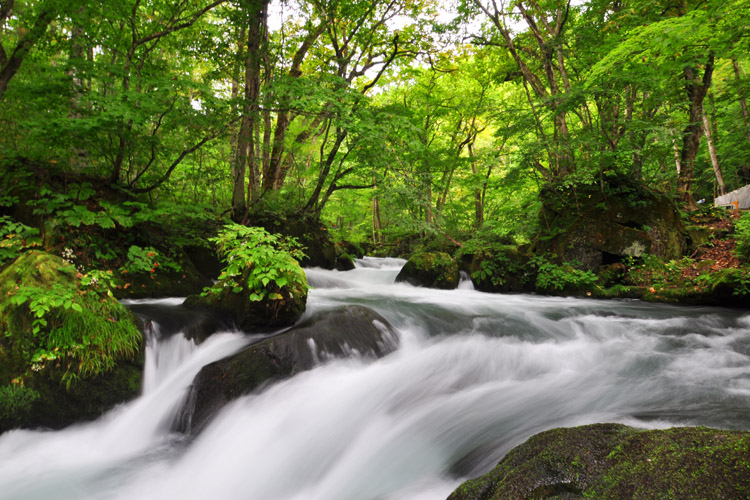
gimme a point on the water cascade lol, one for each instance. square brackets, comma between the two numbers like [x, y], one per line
[475, 375]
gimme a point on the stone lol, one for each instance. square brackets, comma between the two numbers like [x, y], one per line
[602, 223]
[431, 270]
[349, 331]
[613, 461]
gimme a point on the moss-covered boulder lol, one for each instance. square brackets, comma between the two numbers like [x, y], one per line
[330, 334]
[607, 221]
[502, 268]
[612, 461]
[67, 351]
[431, 270]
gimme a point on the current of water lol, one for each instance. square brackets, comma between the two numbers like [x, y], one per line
[475, 375]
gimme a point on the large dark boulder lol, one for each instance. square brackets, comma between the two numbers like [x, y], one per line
[325, 335]
[608, 221]
[612, 461]
[431, 270]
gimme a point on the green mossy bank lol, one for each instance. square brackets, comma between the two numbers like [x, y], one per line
[68, 351]
[612, 461]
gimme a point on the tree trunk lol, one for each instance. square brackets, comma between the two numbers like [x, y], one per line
[376, 223]
[746, 116]
[712, 153]
[245, 145]
[10, 64]
[77, 54]
[696, 89]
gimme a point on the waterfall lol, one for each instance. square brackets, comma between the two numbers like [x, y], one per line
[475, 375]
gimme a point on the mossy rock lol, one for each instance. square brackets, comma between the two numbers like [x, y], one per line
[612, 461]
[607, 221]
[76, 347]
[505, 268]
[329, 334]
[281, 306]
[431, 270]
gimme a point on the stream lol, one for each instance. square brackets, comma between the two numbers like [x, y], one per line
[475, 374]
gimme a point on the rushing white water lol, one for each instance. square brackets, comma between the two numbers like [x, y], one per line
[475, 374]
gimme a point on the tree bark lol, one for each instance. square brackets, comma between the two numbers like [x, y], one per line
[696, 88]
[246, 148]
[746, 116]
[712, 153]
[10, 64]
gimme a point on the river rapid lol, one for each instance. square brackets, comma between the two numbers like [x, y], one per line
[474, 375]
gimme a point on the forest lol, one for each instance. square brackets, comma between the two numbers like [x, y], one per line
[212, 149]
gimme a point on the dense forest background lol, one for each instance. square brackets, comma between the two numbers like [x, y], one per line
[388, 121]
[154, 148]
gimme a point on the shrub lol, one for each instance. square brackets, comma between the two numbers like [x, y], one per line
[272, 259]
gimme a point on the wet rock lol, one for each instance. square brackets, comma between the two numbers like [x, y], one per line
[431, 270]
[349, 331]
[612, 461]
[603, 223]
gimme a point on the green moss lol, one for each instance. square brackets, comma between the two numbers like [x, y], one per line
[53, 325]
[16, 404]
[502, 268]
[431, 269]
[610, 461]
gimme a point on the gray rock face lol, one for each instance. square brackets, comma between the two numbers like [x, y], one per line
[349, 331]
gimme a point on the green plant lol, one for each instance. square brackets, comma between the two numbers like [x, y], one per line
[15, 402]
[563, 277]
[15, 237]
[271, 259]
[147, 260]
[742, 235]
[55, 322]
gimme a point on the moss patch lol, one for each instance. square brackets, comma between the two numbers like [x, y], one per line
[60, 338]
[611, 461]
[430, 269]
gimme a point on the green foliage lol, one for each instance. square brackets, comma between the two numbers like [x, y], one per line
[16, 403]
[742, 235]
[563, 277]
[15, 237]
[272, 261]
[147, 260]
[651, 270]
[57, 323]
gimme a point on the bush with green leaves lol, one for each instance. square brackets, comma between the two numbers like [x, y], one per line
[272, 261]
